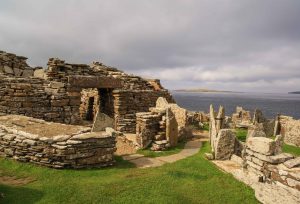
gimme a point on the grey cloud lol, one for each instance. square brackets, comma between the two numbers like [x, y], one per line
[249, 42]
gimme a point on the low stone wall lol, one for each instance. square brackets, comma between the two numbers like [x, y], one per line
[263, 157]
[289, 128]
[78, 150]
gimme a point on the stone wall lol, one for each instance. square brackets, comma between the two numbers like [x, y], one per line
[157, 128]
[80, 149]
[55, 94]
[39, 98]
[289, 128]
[129, 102]
[263, 156]
[13, 65]
[147, 128]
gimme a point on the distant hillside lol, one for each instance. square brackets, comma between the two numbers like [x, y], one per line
[203, 90]
[294, 92]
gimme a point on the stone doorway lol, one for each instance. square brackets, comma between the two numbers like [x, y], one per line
[90, 109]
[106, 102]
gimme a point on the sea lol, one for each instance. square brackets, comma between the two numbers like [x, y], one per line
[271, 104]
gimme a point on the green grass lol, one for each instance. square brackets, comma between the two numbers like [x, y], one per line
[241, 134]
[170, 151]
[191, 180]
[205, 126]
[291, 149]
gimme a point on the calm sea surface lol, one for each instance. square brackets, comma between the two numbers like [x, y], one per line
[270, 104]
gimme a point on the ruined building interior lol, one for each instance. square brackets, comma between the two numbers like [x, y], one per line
[92, 96]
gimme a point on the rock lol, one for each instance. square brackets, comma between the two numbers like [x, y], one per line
[9, 137]
[30, 142]
[8, 70]
[162, 103]
[61, 138]
[261, 145]
[224, 144]
[56, 85]
[292, 163]
[27, 72]
[101, 122]
[209, 156]
[171, 128]
[39, 73]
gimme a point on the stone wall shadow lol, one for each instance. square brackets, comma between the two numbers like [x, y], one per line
[19, 194]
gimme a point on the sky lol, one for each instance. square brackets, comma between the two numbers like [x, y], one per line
[237, 45]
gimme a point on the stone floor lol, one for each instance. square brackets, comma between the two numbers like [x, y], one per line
[264, 192]
[40, 127]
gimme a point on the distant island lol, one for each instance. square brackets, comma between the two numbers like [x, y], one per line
[294, 92]
[200, 90]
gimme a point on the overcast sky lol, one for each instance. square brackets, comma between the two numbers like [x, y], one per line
[240, 45]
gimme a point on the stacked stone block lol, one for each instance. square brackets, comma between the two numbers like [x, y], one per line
[13, 65]
[79, 150]
[263, 156]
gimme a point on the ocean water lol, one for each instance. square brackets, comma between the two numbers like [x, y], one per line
[270, 104]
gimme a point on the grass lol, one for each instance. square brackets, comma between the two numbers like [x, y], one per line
[241, 134]
[191, 180]
[170, 151]
[291, 149]
[205, 126]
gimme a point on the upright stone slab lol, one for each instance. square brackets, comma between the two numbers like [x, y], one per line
[224, 144]
[101, 122]
[171, 128]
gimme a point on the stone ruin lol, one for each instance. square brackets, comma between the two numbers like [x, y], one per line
[259, 154]
[241, 118]
[223, 141]
[94, 96]
[160, 126]
[289, 128]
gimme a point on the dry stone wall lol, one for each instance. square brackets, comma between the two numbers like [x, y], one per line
[129, 102]
[78, 150]
[263, 156]
[289, 128]
[53, 95]
[13, 65]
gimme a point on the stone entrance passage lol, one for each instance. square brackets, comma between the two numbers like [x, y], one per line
[90, 112]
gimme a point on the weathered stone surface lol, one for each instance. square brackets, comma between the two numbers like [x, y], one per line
[101, 122]
[261, 145]
[292, 163]
[224, 144]
[171, 128]
[60, 138]
[94, 82]
[290, 129]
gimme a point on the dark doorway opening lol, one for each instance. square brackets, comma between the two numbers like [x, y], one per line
[106, 102]
[90, 109]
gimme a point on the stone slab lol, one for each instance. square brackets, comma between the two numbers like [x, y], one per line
[94, 82]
